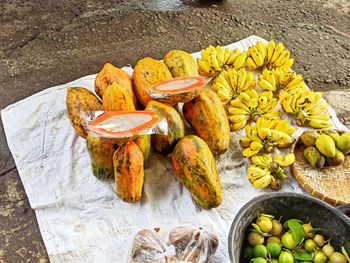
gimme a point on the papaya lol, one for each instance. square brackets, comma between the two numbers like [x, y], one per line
[208, 118]
[144, 143]
[101, 156]
[117, 98]
[147, 72]
[180, 63]
[194, 165]
[109, 74]
[78, 100]
[128, 172]
[176, 128]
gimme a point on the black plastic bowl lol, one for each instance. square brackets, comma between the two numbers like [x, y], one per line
[289, 205]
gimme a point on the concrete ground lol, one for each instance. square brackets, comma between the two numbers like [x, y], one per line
[46, 43]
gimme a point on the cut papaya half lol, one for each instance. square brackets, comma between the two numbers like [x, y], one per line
[176, 90]
[121, 126]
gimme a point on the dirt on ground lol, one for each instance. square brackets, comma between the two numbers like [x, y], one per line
[47, 43]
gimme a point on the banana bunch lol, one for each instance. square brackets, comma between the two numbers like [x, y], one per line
[214, 59]
[267, 134]
[264, 171]
[229, 84]
[250, 106]
[270, 56]
[305, 105]
[276, 80]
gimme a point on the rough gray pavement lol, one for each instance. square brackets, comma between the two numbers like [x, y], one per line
[46, 43]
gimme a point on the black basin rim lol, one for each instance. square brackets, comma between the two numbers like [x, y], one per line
[264, 197]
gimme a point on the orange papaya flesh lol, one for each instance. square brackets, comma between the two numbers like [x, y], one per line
[182, 89]
[122, 126]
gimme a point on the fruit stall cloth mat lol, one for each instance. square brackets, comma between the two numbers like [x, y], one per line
[81, 219]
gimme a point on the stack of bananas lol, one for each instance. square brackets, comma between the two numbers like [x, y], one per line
[214, 59]
[250, 106]
[305, 105]
[269, 57]
[276, 80]
[229, 84]
[266, 134]
[264, 171]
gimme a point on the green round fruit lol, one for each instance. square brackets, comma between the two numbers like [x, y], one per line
[310, 245]
[274, 260]
[288, 241]
[264, 223]
[338, 258]
[286, 257]
[273, 239]
[274, 249]
[276, 227]
[319, 257]
[259, 260]
[319, 239]
[260, 251]
[255, 239]
[249, 252]
[328, 250]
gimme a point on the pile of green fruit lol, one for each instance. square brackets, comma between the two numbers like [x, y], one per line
[325, 147]
[293, 241]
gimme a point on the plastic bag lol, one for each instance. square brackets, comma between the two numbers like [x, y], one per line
[121, 126]
[176, 90]
[148, 247]
[187, 244]
[195, 244]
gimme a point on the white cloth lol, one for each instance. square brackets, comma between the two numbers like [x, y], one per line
[80, 217]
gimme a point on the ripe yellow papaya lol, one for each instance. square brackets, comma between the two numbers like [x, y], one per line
[117, 98]
[208, 118]
[128, 172]
[194, 165]
[147, 72]
[109, 74]
[78, 100]
[180, 63]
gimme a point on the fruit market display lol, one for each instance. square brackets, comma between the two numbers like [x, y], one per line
[215, 98]
[325, 147]
[271, 240]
